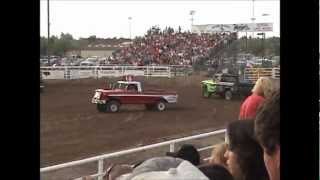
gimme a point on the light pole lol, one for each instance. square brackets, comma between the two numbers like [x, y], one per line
[253, 18]
[192, 12]
[130, 18]
[263, 36]
[262, 43]
[264, 15]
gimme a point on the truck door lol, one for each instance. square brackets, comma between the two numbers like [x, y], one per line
[133, 95]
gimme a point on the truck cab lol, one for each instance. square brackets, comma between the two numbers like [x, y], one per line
[134, 86]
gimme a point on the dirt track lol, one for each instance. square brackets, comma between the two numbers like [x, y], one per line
[72, 129]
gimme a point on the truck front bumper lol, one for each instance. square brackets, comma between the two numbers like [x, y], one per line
[97, 101]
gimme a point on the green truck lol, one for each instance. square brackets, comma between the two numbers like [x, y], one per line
[226, 86]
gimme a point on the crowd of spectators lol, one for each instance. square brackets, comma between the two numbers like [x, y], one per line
[251, 152]
[170, 47]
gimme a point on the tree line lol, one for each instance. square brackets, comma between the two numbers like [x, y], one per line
[60, 45]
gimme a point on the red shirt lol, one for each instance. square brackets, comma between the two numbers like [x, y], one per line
[250, 106]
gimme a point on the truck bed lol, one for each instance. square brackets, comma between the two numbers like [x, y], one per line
[157, 91]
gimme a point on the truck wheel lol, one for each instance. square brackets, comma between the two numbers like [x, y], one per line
[228, 95]
[161, 106]
[149, 106]
[205, 92]
[113, 106]
[102, 107]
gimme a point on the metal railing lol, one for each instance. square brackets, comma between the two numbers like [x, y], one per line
[100, 159]
[76, 72]
[253, 74]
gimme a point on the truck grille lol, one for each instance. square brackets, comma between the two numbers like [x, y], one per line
[97, 95]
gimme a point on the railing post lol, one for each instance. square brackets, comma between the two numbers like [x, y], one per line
[172, 147]
[100, 169]
[273, 73]
[226, 137]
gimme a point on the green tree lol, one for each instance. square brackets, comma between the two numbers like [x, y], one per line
[43, 46]
[92, 39]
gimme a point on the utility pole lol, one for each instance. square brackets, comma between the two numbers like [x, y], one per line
[192, 12]
[130, 18]
[48, 7]
[246, 42]
[253, 18]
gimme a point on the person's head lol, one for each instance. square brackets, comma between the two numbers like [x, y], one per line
[217, 155]
[267, 131]
[244, 154]
[216, 172]
[263, 87]
[187, 152]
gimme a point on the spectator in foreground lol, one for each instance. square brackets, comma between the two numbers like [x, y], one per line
[217, 155]
[267, 131]
[244, 154]
[216, 172]
[261, 90]
[165, 168]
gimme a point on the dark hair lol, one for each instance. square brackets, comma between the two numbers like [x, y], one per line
[187, 152]
[267, 123]
[216, 172]
[249, 153]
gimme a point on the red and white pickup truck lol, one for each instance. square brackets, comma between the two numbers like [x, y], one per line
[130, 92]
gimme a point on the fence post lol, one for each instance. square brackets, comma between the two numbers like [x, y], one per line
[96, 72]
[100, 169]
[273, 73]
[172, 147]
[226, 137]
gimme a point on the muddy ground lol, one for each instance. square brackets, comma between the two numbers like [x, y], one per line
[72, 129]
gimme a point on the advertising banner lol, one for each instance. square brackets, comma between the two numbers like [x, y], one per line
[245, 27]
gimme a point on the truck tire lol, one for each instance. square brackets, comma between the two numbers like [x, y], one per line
[228, 95]
[113, 106]
[205, 92]
[150, 107]
[160, 106]
[102, 107]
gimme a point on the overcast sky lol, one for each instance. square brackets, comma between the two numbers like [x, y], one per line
[110, 18]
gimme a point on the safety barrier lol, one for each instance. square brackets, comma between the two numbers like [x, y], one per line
[77, 72]
[100, 159]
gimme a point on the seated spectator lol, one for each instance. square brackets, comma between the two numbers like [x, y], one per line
[261, 90]
[267, 131]
[217, 155]
[216, 172]
[187, 152]
[244, 154]
[164, 168]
